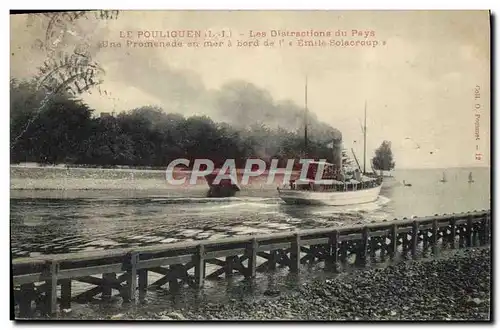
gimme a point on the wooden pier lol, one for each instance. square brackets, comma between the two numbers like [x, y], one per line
[45, 283]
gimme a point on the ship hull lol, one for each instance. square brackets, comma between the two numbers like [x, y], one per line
[334, 198]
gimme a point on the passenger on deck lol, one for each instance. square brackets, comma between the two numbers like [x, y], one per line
[357, 175]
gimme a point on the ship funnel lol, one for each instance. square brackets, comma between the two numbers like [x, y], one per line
[337, 154]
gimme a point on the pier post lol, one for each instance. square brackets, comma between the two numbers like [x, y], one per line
[362, 253]
[107, 290]
[295, 254]
[383, 247]
[434, 237]
[468, 235]
[143, 284]
[343, 247]
[394, 241]
[173, 283]
[27, 295]
[414, 239]
[272, 259]
[199, 268]
[373, 248]
[51, 285]
[453, 233]
[406, 245]
[131, 269]
[486, 229]
[425, 242]
[475, 235]
[65, 294]
[252, 258]
[229, 266]
[333, 246]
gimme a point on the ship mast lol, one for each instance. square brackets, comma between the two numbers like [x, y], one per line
[364, 144]
[305, 121]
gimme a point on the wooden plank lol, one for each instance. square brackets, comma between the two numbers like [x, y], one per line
[379, 233]
[264, 255]
[274, 246]
[218, 273]
[403, 230]
[216, 262]
[165, 261]
[86, 296]
[224, 253]
[93, 270]
[90, 280]
[159, 270]
[95, 280]
[29, 262]
[352, 237]
[314, 241]
[168, 277]
[28, 278]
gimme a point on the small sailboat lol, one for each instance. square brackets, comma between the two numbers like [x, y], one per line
[406, 184]
[444, 178]
[470, 178]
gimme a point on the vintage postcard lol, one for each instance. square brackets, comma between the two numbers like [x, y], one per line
[250, 165]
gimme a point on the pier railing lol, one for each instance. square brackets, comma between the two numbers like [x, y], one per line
[125, 271]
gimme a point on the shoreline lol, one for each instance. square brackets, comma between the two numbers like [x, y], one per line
[453, 287]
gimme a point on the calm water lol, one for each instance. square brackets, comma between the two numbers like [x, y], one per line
[123, 208]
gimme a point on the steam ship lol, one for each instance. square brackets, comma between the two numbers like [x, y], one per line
[341, 183]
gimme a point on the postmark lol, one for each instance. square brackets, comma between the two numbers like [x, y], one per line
[70, 72]
[75, 72]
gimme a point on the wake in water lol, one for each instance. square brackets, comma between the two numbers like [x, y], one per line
[219, 200]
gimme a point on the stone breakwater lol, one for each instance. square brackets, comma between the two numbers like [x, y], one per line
[453, 288]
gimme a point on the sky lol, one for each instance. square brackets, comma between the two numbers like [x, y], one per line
[418, 83]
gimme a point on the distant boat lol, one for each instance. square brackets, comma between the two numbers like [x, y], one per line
[406, 184]
[444, 178]
[470, 178]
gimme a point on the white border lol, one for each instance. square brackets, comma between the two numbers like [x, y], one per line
[187, 4]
